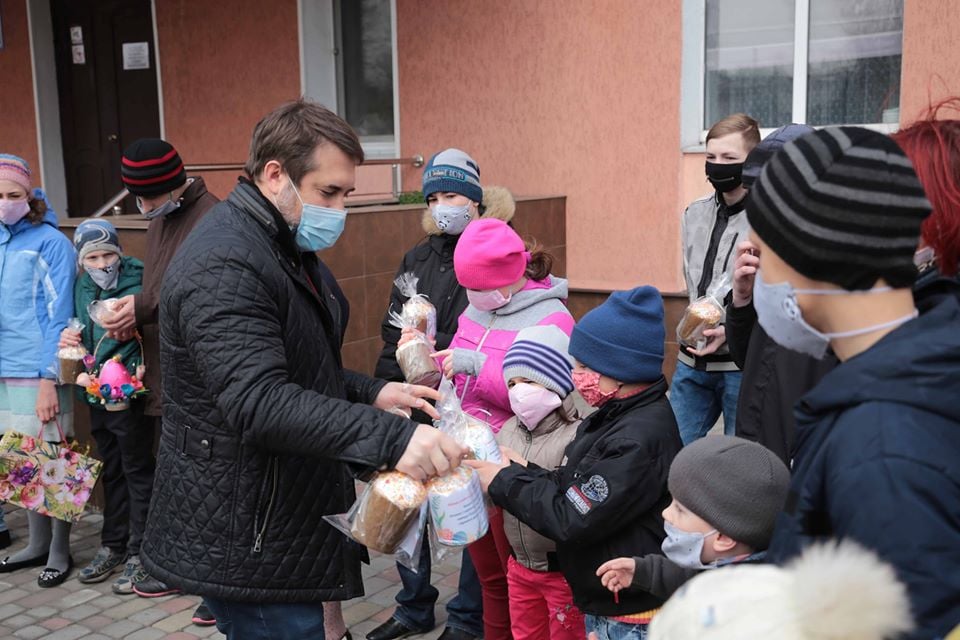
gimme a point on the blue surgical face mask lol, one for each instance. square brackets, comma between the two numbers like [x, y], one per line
[684, 548]
[780, 316]
[320, 227]
[451, 219]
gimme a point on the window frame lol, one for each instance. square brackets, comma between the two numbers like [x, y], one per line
[693, 75]
[321, 67]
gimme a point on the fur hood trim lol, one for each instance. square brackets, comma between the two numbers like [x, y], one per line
[499, 204]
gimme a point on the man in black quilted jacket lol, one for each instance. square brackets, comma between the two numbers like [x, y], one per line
[263, 428]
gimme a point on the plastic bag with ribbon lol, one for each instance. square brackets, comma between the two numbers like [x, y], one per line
[70, 359]
[102, 310]
[389, 516]
[415, 357]
[468, 430]
[703, 313]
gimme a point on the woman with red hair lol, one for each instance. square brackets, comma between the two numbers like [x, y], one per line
[933, 146]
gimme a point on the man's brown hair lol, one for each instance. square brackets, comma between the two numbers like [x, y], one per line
[290, 133]
[737, 123]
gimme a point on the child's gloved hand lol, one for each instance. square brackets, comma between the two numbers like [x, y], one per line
[69, 338]
[617, 574]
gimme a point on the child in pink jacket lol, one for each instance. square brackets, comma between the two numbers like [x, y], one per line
[509, 288]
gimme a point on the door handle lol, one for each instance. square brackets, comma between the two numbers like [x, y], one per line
[113, 137]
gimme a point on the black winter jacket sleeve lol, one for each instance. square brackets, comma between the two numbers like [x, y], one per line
[540, 498]
[659, 576]
[739, 327]
[235, 335]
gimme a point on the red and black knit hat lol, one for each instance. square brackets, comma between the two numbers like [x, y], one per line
[152, 167]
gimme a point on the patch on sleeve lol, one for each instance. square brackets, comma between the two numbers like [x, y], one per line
[580, 502]
[596, 488]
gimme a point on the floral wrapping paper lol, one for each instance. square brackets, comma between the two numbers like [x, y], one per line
[50, 479]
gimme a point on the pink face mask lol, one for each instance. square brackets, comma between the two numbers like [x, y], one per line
[588, 384]
[532, 403]
[487, 300]
[13, 211]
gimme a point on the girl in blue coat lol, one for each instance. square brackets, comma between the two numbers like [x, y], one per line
[37, 270]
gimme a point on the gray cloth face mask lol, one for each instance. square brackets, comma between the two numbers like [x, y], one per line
[105, 278]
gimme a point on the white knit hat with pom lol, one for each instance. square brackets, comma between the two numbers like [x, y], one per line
[832, 592]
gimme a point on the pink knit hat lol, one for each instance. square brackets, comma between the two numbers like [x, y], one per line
[15, 169]
[489, 255]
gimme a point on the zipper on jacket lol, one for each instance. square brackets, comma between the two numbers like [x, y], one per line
[260, 529]
[526, 452]
[726, 260]
[466, 383]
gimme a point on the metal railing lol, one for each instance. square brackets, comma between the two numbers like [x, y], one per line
[113, 204]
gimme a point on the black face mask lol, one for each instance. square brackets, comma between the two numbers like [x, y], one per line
[724, 177]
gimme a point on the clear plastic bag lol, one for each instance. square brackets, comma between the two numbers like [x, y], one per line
[417, 312]
[458, 513]
[702, 314]
[467, 430]
[388, 517]
[416, 356]
[70, 359]
[102, 310]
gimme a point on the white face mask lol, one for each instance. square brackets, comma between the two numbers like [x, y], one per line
[684, 548]
[780, 316]
[488, 300]
[451, 219]
[532, 403]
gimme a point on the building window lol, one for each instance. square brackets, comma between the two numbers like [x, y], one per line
[366, 67]
[348, 63]
[821, 62]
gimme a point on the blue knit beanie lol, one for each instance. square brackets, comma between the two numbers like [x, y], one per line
[623, 337]
[452, 171]
[96, 234]
[540, 354]
[753, 165]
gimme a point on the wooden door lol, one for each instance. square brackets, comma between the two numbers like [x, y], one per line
[106, 75]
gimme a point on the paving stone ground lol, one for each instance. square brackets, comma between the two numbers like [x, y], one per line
[74, 610]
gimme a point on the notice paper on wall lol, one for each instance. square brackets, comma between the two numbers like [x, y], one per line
[136, 55]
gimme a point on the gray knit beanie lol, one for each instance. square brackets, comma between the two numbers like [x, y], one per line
[540, 354]
[737, 486]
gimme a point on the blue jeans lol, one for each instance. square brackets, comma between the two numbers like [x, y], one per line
[3, 523]
[249, 621]
[417, 598]
[699, 397]
[610, 629]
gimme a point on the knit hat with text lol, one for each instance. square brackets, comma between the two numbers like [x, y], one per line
[841, 205]
[452, 171]
[152, 167]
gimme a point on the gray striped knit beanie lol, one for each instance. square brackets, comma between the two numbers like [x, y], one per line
[452, 171]
[841, 205]
[539, 354]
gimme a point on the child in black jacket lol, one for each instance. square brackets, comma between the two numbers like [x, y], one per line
[605, 500]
